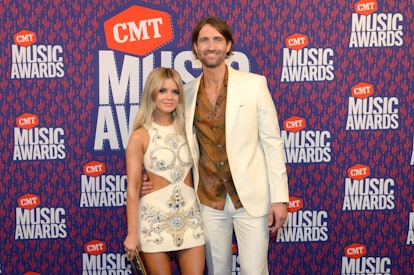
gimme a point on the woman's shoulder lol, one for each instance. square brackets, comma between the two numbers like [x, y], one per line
[139, 136]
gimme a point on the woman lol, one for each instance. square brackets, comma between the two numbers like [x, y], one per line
[168, 218]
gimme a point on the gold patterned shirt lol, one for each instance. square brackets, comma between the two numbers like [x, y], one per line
[215, 177]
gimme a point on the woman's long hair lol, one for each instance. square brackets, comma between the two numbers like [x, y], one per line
[152, 86]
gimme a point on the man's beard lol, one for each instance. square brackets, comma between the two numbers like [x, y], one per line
[213, 64]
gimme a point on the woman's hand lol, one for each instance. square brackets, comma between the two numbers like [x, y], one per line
[131, 243]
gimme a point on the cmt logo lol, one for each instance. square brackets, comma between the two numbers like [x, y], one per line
[294, 124]
[28, 201]
[138, 30]
[233, 248]
[25, 38]
[355, 251]
[94, 168]
[366, 7]
[297, 41]
[358, 172]
[362, 90]
[27, 121]
[95, 247]
[295, 204]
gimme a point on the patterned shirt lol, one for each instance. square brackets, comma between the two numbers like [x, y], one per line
[215, 177]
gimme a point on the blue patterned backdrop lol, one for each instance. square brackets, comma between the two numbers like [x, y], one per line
[341, 75]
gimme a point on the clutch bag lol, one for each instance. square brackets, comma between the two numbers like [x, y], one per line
[137, 264]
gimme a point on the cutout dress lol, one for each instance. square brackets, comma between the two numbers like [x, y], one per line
[169, 218]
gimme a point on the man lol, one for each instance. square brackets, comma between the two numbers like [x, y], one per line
[233, 134]
[234, 137]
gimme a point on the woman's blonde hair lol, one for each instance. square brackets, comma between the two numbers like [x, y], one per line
[153, 85]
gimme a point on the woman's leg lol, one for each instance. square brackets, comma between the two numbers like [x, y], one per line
[191, 261]
[157, 263]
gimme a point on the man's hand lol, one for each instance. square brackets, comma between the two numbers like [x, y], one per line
[146, 186]
[277, 216]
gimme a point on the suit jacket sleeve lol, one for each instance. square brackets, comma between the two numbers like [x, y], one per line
[253, 142]
[272, 143]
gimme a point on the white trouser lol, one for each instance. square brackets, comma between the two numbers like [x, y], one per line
[252, 235]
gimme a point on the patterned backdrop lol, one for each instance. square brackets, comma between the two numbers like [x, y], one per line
[341, 75]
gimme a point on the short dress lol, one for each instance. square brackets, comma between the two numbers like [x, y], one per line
[169, 218]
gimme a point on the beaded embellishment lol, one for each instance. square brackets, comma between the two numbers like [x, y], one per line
[168, 154]
[176, 222]
[169, 157]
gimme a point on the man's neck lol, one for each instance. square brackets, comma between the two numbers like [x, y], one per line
[214, 76]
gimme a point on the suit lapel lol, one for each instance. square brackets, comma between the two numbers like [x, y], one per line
[190, 96]
[234, 94]
[233, 99]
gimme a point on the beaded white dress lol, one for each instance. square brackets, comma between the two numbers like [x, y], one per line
[169, 218]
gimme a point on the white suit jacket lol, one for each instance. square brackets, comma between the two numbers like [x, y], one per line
[253, 142]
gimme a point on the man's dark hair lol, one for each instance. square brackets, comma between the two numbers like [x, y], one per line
[219, 24]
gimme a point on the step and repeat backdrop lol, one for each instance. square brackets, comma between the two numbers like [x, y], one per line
[341, 75]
